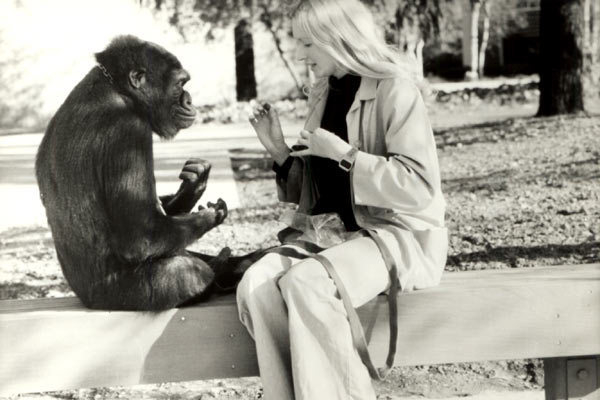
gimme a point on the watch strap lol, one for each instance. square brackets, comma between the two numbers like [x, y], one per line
[348, 159]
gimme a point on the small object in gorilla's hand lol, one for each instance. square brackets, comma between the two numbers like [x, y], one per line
[95, 173]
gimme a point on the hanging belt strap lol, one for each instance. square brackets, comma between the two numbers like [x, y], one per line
[358, 336]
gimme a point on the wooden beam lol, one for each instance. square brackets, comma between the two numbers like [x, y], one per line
[497, 314]
[51, 344]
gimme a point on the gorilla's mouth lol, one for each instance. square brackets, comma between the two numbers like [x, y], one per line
[185, 114]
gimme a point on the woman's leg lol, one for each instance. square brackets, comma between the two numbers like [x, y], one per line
[264, 314]
[325, 363]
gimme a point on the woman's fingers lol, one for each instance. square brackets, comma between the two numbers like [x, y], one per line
[302, 146]
[252, 118]
[300, 153]
[303, 142]
[305, 134]
[259, 112]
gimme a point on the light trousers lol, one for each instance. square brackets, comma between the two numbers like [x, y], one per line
[293, 311]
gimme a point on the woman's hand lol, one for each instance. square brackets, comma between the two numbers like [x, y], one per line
[265, 122]
[321, 143]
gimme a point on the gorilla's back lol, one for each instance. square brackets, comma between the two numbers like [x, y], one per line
[67, 176]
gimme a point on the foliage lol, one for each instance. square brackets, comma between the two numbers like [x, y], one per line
[37, 71]
[410, 19]
[217, 16]
[47, 47]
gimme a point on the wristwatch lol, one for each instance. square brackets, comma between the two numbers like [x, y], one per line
[347, 160]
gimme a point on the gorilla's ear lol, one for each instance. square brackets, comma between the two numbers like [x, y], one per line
[137, 78]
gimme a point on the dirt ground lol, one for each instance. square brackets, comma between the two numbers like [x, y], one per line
[522, 192]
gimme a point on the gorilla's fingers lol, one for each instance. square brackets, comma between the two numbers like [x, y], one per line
[197, 169]
[188, 176]
[193, 161]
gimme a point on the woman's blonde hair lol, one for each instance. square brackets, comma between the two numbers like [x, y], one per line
[346, 30]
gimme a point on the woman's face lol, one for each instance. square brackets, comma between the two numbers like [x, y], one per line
[321, 63]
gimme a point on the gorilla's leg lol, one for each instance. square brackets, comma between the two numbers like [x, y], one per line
[229, 270]
[158, 285]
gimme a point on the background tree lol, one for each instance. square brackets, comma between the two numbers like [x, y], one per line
[409, 24]
[488, 22]
[473, 42]
[244, 54]
[207, 15]
[485, 35]
[278, 25]
[591, 47]
[561, 57]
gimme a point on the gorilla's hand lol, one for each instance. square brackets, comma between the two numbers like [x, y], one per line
[210, 216]
[195, 178]
[220, 209]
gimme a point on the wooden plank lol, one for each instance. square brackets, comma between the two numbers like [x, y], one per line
[491, 315]
[555, 378]
[52, 344]
[75, 348]
[582, 379]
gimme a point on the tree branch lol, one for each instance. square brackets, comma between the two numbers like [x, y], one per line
[265, 18]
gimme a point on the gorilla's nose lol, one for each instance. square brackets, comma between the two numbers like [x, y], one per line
[186, 100]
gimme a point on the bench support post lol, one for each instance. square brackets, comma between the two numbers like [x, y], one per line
[571, 378]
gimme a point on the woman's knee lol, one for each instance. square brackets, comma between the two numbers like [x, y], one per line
[261, 274]
[304, 280]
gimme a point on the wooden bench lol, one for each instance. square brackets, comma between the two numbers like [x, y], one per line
[551, 313]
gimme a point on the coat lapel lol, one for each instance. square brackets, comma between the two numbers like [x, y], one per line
[315, 114]
[366, 92]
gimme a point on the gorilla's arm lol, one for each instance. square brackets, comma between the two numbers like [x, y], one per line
[195, 176]
[139, 230]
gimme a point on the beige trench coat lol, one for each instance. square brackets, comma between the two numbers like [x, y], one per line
[395, 179]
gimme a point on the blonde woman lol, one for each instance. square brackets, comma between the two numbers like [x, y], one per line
[370, 213]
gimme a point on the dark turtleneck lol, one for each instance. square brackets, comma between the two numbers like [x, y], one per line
[332, 182]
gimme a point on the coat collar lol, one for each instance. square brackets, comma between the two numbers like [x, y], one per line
[366, 91]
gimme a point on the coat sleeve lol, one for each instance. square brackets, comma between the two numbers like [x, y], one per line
[407, 177]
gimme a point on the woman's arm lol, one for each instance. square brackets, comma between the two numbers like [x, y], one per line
[288, 170]
[407, 178]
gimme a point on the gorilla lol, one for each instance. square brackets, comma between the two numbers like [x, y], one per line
[120, 246]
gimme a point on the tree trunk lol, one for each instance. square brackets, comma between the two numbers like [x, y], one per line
[419, 57]
[595, 31]
[244, 61]
[485, 35]
[561, 57]
[474, 40]
[587, 28]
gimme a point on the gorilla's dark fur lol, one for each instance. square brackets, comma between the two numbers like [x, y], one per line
[117, 246]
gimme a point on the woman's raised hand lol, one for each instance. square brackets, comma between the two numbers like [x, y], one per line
[265, 122]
